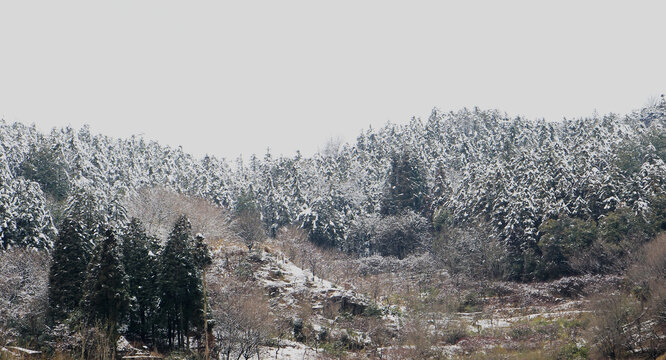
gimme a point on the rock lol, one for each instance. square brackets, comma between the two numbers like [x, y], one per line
[348, 304]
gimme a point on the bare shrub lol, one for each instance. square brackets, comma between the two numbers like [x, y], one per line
[23, 294]
[327, 263]
[613, 315]
[647, 279]
[420, 339]
[634, 322]
[648, 273]
[470, 252]
[243, 320]
[97, 344]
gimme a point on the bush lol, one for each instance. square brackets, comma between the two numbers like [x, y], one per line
[372, 310]
[521, 332]
[623, 226]
[612, 316]
[469, 302]
[23, 295]
[454, 333]
[573, 351]
[469, 251]
[400, 235]
[244, 270]
[561, 240]
[392, 235]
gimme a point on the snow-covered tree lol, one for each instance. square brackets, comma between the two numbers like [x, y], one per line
[105, 298]
[181, 291]
[139, 258]
[70, 256]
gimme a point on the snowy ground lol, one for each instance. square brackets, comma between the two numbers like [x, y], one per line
[289, 282]
[291, 350]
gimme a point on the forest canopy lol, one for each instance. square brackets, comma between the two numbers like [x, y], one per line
[577, 193]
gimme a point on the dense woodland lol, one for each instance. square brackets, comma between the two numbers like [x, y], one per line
[482, 194]
[522, 182]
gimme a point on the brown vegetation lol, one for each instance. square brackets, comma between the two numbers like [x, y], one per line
[158, 208]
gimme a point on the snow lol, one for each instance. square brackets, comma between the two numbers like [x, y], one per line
[509, 321]
[290, 350]
[295, 280]
[24, 350]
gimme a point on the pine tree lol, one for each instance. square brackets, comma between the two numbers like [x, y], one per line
[105, 299]
[140, 262]
[68, 269]
[180, 283]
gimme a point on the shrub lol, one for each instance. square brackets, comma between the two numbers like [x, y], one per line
[392, 235]
[561, 240]
[372, 310]
[400, 235]
[469, 251]
[454, 332]
[573, 351]
[23, 295]
[612, 316]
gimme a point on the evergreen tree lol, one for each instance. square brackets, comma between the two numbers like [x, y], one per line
[324, 220]
[140, 262]
[274, 210]
[203, 259]
[30, 223]
[87, 210]
[247, 219]
[68, 269]
[246, 203]
[105, 299]
[202, 256]
[77, 236]
[6, 214]
[405, 186]
[561, 241]
[45, 165]
[441, 190]
[181, 289]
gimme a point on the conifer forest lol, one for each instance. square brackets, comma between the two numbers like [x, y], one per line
[471, 234]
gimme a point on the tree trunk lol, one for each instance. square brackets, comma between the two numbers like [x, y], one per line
[205, 317]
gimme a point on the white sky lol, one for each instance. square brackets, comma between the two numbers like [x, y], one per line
[227, 78]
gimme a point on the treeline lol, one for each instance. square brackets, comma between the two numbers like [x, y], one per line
[118, 280]
[472, 181]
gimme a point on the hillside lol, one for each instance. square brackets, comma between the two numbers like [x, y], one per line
[474, 168]
[471, 234]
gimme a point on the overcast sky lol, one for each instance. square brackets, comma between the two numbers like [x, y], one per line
[227, 78]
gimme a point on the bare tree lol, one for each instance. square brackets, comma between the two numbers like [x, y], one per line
[242, 317]
[248, 227]
[158, 208]
[23, 292]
